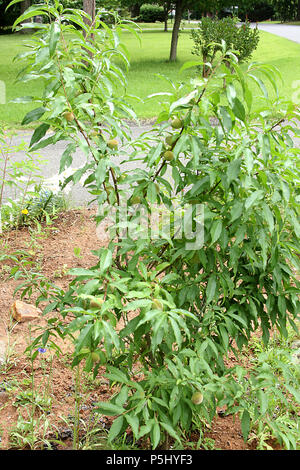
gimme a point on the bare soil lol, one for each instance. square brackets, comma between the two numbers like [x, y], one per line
[53, 250]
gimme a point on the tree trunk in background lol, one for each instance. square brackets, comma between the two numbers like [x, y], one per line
[24, 5]
[89, 7]
[298, 11]
[175, 33]
[167, 6]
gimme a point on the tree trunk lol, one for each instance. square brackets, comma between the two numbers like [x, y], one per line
[24, 5]
[89, 7]
[175, 32]
[167, 6]
[298, 11]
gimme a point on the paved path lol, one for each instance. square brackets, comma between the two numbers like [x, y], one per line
[291, 32]
[78, 195]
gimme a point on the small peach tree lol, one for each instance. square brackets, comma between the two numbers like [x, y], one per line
[161, 313]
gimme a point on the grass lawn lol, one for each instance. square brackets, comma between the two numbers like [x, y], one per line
[147, 59]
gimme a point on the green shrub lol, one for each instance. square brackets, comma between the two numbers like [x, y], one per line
[259, 11]
[161, 313]
[211, 32]
[151, 13]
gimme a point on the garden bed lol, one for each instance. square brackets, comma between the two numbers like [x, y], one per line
[53, 252]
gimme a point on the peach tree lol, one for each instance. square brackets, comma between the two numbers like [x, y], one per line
[162, 313]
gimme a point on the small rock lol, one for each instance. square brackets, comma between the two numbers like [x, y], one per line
[296, 344]
[22, 312]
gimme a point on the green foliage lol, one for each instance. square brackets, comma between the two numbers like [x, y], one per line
[151, 13]
[30, 433]
[256, 11]
[286, 9]
[161, 313]
[211, 32]
[269, 398]
[23, 198]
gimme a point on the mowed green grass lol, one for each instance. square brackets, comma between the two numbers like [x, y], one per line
[147, 60]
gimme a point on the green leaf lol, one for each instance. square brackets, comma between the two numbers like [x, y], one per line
[253, 198]
[216, 231]
[81, 272]
[54, 37]
[236, 211]
[122, 396]
[116, 428]
[233, 170]
[109, 409]
[13, 2]
[39, 133]
[43, 143]
[239, 110]
[155, 435]
[245, 424]
[183, 101]
[263, 402]
[33, 115]
[170, 431]
[226, 118]
[133, 422]
[84, 337]
[177, 332]
[115, 374]
[105, 260]
[66, 158]
[211, 288]
[190, 64]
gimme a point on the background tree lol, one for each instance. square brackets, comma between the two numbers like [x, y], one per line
[181, 6]
[89, 6]
[286, 9]
[24, 5]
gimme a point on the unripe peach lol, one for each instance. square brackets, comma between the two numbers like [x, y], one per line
[69, 116]
[197, 398]
[135, 200]
[96, 303]
[95, 356]
[176, 123]
[112, 144]
[157, 304]
[169, 155]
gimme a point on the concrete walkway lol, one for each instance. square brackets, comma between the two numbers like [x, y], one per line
[78, 195]
[291, 32]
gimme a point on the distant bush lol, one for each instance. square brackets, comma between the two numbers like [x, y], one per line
[260, 11]
[151, 13]
[7, 18]
[208, 38]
